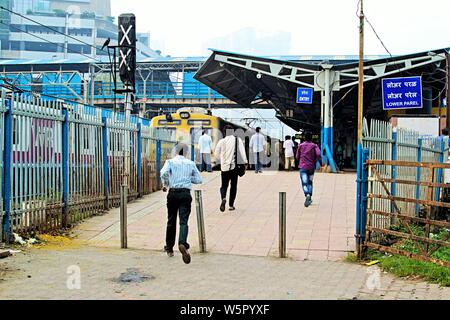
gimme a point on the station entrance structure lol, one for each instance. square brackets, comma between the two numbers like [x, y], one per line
[250, 81]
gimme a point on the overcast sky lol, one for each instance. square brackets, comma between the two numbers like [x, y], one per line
[289, 27]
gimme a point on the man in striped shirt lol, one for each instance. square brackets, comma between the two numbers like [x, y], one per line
[178, 174]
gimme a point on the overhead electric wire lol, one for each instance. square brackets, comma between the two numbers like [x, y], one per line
[48, 41]
[406, 71]
[50, 28]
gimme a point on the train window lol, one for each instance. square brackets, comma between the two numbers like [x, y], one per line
[199, 122]
[173, 123]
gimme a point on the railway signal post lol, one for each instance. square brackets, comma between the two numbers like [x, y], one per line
[127, 70]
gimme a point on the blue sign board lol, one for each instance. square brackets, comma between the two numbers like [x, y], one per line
[402, 93]
[305, 95]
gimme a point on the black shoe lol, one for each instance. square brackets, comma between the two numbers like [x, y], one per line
[169, 252]
[308, 201]
[222, 205]
[185, 254]
[232, 208]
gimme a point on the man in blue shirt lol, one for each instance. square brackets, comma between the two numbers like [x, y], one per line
[178, 174]
[205, 146]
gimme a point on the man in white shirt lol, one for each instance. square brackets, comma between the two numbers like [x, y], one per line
[205, 146]
[225, 154]
[257, 144]
[289, 160]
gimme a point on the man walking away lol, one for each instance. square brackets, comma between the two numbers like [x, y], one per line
[289, 162]
[205, 146]
[308, 154]
[226, 150]
[178, 174]
[257, 144]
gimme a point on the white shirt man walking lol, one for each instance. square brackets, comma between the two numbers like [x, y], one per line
[289, 160]
[257, 144]
[229, 151]
[205, 146]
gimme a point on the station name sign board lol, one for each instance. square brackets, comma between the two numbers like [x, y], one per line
[305, 95]
[402, 93]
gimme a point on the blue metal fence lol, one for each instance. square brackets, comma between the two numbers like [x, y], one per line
[2, 125]
[382, 142]
[62, 163]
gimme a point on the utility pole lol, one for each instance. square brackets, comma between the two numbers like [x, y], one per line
[360, 216]
[361, 73]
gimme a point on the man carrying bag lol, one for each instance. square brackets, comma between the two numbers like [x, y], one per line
[230, 152]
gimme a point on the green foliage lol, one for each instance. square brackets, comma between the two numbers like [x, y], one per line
[406, 267]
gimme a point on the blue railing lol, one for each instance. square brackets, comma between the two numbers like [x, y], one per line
[105, 90]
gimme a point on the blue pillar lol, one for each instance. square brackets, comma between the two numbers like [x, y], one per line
[105, 161]
[364, 191]
[158, 163]
[331, 142]
[65, 168]
[7, 170]
[139, 159]
[358, 198]
[394, 168]
[418, 174]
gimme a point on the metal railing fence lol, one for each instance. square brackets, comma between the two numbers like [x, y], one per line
[60, 163]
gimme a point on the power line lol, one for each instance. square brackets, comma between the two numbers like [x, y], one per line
[48, 41]
[406, 71]
[50, 28]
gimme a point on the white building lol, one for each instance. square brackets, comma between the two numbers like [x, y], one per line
[89, 21]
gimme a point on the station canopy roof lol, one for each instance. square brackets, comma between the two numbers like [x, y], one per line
[251, 80]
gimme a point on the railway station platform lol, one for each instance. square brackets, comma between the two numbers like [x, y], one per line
[322, 232]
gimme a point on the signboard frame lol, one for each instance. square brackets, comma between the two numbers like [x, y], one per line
[383, 100]
[310, 95]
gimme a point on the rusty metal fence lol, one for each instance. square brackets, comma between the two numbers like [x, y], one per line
[407, 226]
[384, 179]
[61, 163]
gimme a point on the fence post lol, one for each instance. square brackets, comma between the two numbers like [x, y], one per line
[200, 221]
[7, 169]
[105, 161]
[418, 174]
[282, 240]
[65, 168]
[139, 160]
[440, 171]
[158, 163]
[123, 216]
[394, 172]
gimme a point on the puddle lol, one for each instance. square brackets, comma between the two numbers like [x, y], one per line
[133, 275]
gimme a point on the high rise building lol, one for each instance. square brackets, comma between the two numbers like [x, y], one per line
[87, 22]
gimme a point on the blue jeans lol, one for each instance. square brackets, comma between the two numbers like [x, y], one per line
[307, 177]
[258, 164]
[206, 162]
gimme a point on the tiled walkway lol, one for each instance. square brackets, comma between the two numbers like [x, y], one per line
[324, 231]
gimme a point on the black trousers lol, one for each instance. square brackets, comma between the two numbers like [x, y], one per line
[229, 178]
[178, 202]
